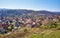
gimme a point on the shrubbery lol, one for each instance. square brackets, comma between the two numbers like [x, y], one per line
[51, 24]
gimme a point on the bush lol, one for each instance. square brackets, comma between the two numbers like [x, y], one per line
[51, 25]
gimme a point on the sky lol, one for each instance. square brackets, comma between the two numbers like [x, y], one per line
[50, 5]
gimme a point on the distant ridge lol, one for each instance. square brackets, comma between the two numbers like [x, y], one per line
[10, 12]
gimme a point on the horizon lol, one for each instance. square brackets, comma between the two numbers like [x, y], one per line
[29, 9]
[37, 5]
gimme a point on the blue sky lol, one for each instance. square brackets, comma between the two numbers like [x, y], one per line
[50, 5]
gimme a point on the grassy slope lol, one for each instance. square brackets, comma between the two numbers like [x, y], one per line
[46, 34]
[34, 34]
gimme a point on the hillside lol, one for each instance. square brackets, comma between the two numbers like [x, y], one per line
[18, 12]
